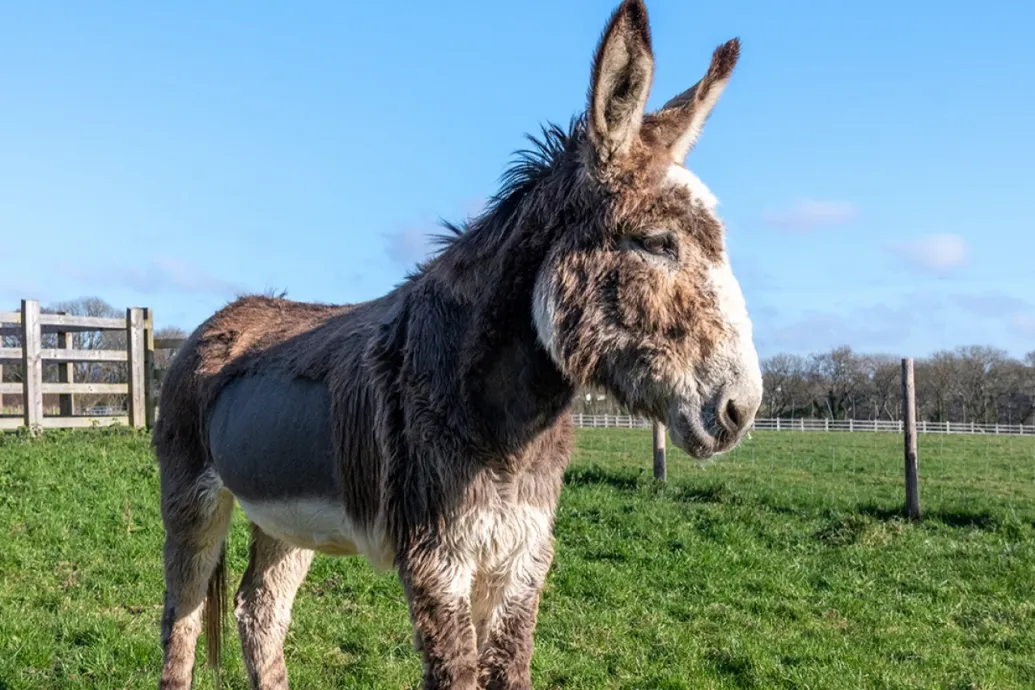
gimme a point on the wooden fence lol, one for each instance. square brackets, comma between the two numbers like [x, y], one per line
[30, 324]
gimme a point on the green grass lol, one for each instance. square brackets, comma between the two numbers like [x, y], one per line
[785, 565]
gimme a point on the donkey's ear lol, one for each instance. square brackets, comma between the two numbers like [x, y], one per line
[622, 73]
[679, 122]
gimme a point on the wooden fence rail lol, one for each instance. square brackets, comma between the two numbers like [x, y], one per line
[29, 325]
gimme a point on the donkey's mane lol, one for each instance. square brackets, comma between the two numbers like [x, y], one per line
[528, 169]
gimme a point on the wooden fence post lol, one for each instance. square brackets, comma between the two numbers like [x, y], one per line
[149, 368]
[66, 373]
[909, 404]
[660, 465]
[32, 366]
[2, 393]
[135, 365]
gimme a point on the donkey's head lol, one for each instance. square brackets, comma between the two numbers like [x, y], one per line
[636, 292]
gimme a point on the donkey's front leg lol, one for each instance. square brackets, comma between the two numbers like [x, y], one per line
[506, 605]
[438, 587]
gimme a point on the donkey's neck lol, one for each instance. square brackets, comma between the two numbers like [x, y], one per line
[506, 386]
[510, 388]
[510, 385]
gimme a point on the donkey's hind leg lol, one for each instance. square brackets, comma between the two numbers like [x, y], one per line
[196, 513]
[263, 606]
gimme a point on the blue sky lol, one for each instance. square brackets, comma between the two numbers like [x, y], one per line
[873, 160]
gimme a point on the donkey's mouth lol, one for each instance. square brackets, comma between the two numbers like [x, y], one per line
[690, 433]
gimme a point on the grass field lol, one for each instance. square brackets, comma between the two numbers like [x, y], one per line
[784, 565]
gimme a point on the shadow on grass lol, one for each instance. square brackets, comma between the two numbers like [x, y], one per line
[718, 492]
[631, 481]
[1004, 523]
[980, 519]
[594, 475]
[737, 666]
[860, 529]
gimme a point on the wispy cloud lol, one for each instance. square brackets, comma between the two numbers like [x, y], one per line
[806, 215]
[1024, 323]
[923, 318]
[414, 243]
[16, 284]
[752, 275]
[935, 253]
[879, 326]
[409, 246]
[9, 294]
[161, 274]
[994, 304]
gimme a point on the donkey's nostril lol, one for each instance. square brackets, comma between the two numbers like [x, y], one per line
[738, 416]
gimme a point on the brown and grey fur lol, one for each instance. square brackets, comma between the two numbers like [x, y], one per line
[431, 425]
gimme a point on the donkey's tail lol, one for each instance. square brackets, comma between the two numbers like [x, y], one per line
[215, 613]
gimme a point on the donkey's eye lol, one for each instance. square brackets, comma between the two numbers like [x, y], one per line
[659, 245]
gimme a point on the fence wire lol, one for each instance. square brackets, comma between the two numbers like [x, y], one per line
[969, 474]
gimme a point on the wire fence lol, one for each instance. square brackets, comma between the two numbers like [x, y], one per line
[605, 421]
[979, 476]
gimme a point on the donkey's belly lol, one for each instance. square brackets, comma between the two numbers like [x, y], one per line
[318, 524]
[271, 443]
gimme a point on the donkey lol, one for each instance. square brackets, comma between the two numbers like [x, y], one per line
[429, 429]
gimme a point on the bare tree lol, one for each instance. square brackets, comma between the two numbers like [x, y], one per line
[977, 383]
[843, 381]
[936, 385]
[786, 384]
[12, 371]
[977, 371]
[1010, 387]
[593, 400]
[885, 378]
[1022, 406]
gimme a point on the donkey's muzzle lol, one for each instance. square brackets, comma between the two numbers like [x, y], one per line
[716, 427]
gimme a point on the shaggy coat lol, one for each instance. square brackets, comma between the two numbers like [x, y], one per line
[429, 429]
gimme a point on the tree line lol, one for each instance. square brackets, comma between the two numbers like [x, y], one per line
[976, 383]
